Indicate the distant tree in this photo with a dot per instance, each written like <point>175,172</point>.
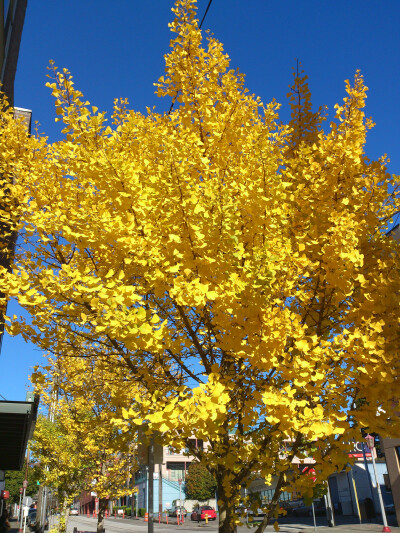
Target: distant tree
<point>14,480</point>
<point>80,447</point>
<point>199,483</point>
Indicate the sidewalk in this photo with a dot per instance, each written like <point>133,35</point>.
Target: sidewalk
<point>14,526</point>
<point>349,528</point>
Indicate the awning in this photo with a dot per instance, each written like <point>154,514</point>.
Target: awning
<point>17,422</point>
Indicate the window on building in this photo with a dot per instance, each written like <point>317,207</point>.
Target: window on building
<point>173,451</point>
<point>194,443</point>
<point>175,471</point>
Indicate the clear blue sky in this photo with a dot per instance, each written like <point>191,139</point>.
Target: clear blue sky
<point>115,49</point>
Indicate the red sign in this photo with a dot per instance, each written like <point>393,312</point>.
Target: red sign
<point>5,494</point>
<point>311,472</point>
<point>308,471</point>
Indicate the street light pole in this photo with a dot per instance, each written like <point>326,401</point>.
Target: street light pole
<point>180,496</point>
<point>150,524</point>
<point>371,445</point>
<point>21,490</point>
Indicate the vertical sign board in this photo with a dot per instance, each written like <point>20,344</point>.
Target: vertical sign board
<point>356,450</point>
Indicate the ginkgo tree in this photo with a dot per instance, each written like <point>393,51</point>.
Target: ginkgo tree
<point>79,447</point>
<point>235,268</point>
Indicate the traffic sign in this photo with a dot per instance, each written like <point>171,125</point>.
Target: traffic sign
<point>25,484</point>
<point>312,473</point>
<point>27,501</point>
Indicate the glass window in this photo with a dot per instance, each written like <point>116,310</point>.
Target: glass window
<point>176,471</point>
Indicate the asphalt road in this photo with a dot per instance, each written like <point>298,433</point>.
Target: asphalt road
<point>116,525</point>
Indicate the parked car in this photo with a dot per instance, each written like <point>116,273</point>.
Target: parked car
<point>306,510</point>
<point>177,509</point>
<point>74,512</point>
<point>200,512</point>
<point>258,512</point>
<point>31,518</point>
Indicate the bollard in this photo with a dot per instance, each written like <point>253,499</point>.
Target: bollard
<point>183,517</point>
<point>177,516</point>
<point>123,513</point>
<point>159,518</point>
<point>166,516</point>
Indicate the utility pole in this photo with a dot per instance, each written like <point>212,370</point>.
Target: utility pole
<point>150,523</point>
<point>160,496</point>
<point>42,500</point>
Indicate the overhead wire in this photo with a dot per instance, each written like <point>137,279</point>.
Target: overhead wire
<point>205,14</point>
<point>200,25</point>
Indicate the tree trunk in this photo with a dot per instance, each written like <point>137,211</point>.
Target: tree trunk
<point>100,516</point>
<point>64,514</point>
<point>225,506</point>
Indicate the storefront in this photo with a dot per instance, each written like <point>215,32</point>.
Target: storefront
<point>17,423</point>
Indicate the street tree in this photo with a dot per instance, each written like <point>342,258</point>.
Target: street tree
<point>79,447</point>
<point>237,270</point>
<point>14,482</point>
<point>200,484</point>
<point>61,467</point>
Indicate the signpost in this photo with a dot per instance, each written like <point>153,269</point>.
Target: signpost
<point>371,445</point>
<point>27,501</point>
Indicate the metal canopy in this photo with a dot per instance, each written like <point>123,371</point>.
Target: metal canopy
<point>17,422</point>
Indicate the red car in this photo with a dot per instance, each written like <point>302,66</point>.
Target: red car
<point>200,512</point>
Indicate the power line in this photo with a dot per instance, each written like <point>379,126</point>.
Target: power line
<point>202,20</point>
<point>205,14</point>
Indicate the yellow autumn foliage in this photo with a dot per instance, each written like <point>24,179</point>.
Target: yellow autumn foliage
<point>236,269</point>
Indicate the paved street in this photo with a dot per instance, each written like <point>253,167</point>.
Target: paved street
<point>87,525</point>
<point>113,525</point>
